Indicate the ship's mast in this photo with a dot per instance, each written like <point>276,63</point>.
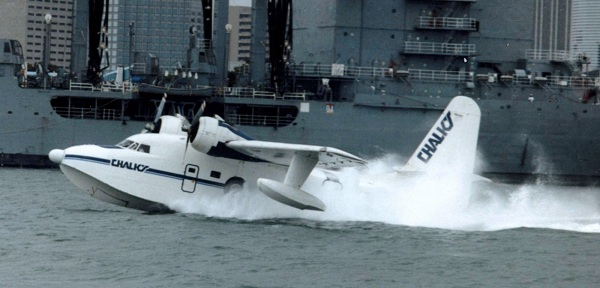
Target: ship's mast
<point>280,40</point>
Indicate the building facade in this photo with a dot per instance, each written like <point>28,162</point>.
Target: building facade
<point>585,32</point>
<point>24,21</point>
<point>240,37</point>
<point>157,28</point>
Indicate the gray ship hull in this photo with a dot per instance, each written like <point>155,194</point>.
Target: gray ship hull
<point>372,80</point>
<point>30,127</point>
<point>518,138</point>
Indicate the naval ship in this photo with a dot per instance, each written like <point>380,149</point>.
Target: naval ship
<point>368,77</point>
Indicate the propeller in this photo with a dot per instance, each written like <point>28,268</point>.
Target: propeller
<point>152,127</point>
<point>192,130</point>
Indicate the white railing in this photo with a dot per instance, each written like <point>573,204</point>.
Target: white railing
<point>435,48</point>
<point>438,75</point>
<point>340,70</point>
<point>550,55</point>
<point>81,86</point>
<point>260,120</point>
<point>104,87</point>
<point>88,113</point>
<point>551,81</point>
<point>241,92</point>
<point>427,22</point>
<point>294,96</point>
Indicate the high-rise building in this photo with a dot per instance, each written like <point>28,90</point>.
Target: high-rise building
<point>24,21</point>
<point>240,18</point>
<point>159,27</point>
<point>585,31</point>
<point>551,22</point>
<point>14,22</point>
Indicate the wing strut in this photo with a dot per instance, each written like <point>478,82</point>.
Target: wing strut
<point>302,164</point>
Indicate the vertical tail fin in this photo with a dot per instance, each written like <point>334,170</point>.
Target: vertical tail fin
<point>452,141</point>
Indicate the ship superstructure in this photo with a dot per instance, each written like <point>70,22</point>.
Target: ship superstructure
<point>369,77</point>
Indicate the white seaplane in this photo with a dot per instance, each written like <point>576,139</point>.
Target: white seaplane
<point>153,170</point>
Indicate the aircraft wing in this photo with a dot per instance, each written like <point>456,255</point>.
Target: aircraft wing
<point>283,153</point>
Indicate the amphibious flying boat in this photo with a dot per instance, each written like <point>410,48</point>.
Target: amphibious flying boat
<point>155,169</point>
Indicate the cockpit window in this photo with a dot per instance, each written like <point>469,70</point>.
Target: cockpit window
<point>144,148</point>
<point>131,145</point>
<point>125,143</point>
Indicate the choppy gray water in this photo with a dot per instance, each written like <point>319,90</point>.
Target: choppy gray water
<point>53,235</point>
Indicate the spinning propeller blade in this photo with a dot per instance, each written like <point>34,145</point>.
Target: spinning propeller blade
<point>193,129</point>
<point>160,108</point>
<point>151,127</point>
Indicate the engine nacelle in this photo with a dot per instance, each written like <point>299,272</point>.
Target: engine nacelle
<point>211,136</point>
<point>170,125</point>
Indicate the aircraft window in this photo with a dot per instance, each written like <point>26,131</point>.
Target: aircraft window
<point>133,146</point>
<point>215,174</point>
<point>144,148</point>
<point>125,143</point>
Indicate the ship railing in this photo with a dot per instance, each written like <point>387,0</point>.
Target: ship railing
<point>115,87</point>
<point>264,94</point>
<point>435,48</point>
<point>301,96</point>
<point>438,75</point>
<point>241,92</point>
<point>104,87</point>
<point>259,120</point>
<point>450,23</point>
<point>575,81</point>
<point>549,55</point>
<point>340,70</point>
<point>235,92</point>
<point>81,86</point>
<point>551,81</point>
<point>88,113</point>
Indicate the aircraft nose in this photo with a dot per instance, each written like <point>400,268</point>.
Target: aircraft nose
<point>56,155</point>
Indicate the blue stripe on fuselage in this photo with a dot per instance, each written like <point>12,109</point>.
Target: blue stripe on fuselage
<point>148,171</point>
<point>182,177</point>
<point>87,159</point>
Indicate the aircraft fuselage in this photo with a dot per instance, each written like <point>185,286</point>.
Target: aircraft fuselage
<point>154,172</point>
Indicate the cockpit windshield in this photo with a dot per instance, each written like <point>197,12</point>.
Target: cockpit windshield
<point>132,145</point>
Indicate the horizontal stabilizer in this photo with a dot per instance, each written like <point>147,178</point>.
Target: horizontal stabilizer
<point>289,196</point>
